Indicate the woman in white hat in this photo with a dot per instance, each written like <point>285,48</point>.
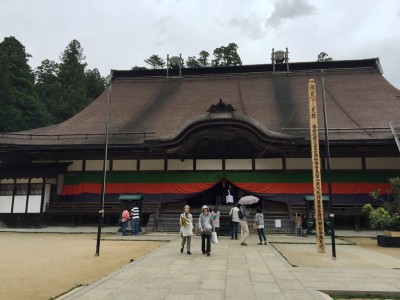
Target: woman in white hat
<point>206,227</point>
<point>186,222</point>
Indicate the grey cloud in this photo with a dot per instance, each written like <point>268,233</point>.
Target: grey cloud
<point>289,9</point>
<point>161,25</point>
<point>250,26</point>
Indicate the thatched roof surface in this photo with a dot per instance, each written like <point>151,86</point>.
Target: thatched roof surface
<point>147,107</point>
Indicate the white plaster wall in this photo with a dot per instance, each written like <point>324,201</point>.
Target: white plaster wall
<point>36,180</point>
<point>22,180</point>
<point>75,166</point>
<point>9,181</point>
<point>348,163</point>
<point>34,203</point>
<point>298,164</point>
<point>179,165</point>
<point>152,165</point>
<point>19,203</point>
<point>5,204</point>
<point>238,164</point>
<point>209,164</point>
<point>381,163</point>
<point>96,165</point>
<point>268,164</point>
<point>124,165</point>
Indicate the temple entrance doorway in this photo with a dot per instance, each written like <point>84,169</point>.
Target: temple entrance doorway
<point>216,196</point>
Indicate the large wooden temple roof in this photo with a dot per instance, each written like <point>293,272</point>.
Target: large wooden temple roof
<point>150,110</point>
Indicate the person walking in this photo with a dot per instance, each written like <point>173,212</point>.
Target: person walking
<point>259,220</point>
<point>234,222</point>
<point>244,213</point>
<point>186,231</point>
<point>135,220</point>
<point>206,227</point>
<point>216,217</point>
<point>124,220</point>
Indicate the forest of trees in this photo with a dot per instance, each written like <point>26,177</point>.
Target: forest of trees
<point>52,93</point>
<point>223,57</point>
<point>56,91</point>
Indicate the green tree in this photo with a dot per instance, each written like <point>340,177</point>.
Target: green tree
<point>155,62</point>
<point>20,107</point>
<point>324,57</point>
<point>192,62</point>
<point>203,59</point>
<point>48,87</point>
<point>73,82</point>
<point>137,68</point>
<point>95,84</point>
<point>226,56</point>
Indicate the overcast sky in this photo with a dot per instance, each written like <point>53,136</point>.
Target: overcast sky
<point>119,34</point>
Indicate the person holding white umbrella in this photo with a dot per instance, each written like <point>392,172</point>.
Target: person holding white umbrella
<point>244,213</point>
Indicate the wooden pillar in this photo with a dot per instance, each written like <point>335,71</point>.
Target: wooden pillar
<point>316,168</point>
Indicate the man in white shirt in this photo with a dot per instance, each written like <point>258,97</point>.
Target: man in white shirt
<point>135,220</point>
<point>234,222</point>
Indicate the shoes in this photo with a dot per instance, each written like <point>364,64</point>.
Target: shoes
<point>236,238</point>
<point>190,253</point>
<point>231,238</point>
<point>243,244</point>
<point>208,253</point>
<point>204,253</point>
<point>259,243</point>
<point>265,243</point>
<point>181,250</point>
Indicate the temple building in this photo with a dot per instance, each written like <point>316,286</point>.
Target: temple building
<point>181,136</point>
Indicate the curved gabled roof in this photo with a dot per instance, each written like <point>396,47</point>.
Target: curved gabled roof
<point>147,106</point>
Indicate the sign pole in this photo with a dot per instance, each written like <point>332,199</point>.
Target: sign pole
<point>316,168</point>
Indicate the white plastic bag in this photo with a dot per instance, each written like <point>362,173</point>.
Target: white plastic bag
<point>229,198</point>
<point>214,238</point>
<point>187,230</point>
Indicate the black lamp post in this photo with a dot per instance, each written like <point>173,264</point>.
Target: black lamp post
<point>103,183</point>
<point>328,169</point>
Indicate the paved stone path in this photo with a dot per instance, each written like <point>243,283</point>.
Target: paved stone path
<point>231,272</point>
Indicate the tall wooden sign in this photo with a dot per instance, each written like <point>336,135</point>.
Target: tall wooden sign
<point>316,167</point>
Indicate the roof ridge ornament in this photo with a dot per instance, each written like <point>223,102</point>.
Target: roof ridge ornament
<point>280,57</point>
<point>175,62</point>
<point>221,107</point>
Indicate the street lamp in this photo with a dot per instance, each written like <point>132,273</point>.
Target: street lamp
<point>103,183</point>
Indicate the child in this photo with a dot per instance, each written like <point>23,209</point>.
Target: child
<point>259,220</point>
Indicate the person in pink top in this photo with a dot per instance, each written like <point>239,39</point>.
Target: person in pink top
<point>124,219</point>
<point>216,216</point>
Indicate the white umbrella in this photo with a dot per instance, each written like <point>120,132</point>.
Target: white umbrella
<point>248,200</point>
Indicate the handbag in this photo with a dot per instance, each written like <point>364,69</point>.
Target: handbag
<point>186,227</point>
<point>187,230</point>
<point>214,238</point>
<point>255,226</point>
